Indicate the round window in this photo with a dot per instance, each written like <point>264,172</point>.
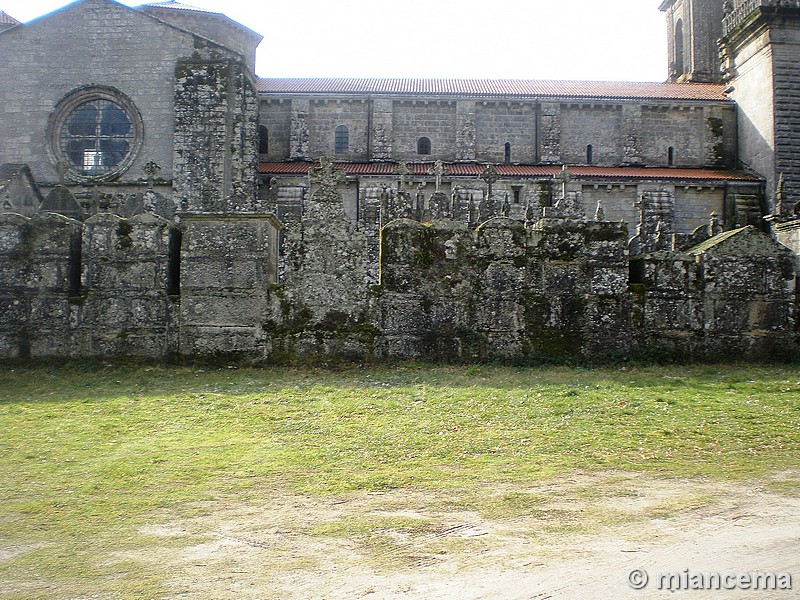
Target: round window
<point>95,134</point>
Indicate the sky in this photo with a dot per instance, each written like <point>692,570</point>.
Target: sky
<point>619,40</point>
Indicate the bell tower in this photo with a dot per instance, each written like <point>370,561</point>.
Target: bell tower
<point>693,28</point>
<point>760,49</point>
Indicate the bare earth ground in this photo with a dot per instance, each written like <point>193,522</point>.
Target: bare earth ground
<point>577,537</point>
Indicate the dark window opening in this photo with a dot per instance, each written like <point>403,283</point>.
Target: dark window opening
<point>75,258</point>
<point>679,59</point>
<point>423,146</point>
<point>589,154</point>
<point>636,271</point>
<point>341,140</point>
<point>174,263</point>
<point>263,139</point>
<point>508,152</point>
<point>516,195</point>
<point>671,156</point>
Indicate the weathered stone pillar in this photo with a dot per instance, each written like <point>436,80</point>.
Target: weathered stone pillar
<point>465,131</point>
<point>550,132</point>
<point>382,129</point>
<point>631,131</point>
<point>298,134</point>
<point>228,263</point>
<point>216,129</point>
<point>39,271</point>
<point>714,136</point>
<point>127,280</point>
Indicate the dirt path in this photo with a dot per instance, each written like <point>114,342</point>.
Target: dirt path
<point>575,538</point>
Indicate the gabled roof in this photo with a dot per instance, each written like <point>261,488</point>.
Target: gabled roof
<point>18,189</point>
<point>180,7</point>
<point>516,88</point>
<point>9,170</point>
<point>6,19</point>
<point>542,171</point>
<point>745,241</point>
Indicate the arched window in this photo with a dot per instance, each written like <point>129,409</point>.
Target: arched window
<point>671,156</point>
<point>341,140</point>
<point>589,154</point>
<point>423,145</point>
<point>263,139</point>
<point>680,68</point>
<point>508,152</point>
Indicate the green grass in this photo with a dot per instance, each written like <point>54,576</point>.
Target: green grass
<point>88,453</point>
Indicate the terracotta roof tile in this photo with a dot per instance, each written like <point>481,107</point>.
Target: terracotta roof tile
<point>517,88</point>
<point>541,171</point>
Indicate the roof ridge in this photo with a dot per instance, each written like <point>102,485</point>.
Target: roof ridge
<point>718,239</point>
<point>551,88</point>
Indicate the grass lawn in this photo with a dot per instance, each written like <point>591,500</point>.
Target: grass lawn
<point>89,453</point>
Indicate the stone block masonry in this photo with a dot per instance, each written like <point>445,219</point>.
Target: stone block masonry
<point>227,265</point>
<point>124,308</point>
<point>216,123</point>
<point>135,287</point>
<point>39,276</point>
<point>564,288</point>
<point>503,290</point>
<point>454,225</point>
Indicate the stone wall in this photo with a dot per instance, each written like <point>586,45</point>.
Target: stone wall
<point>326,115</point>
<point>760,52</point>
<point>558,289</point>
<point>216,128</point>
<point>498,123</point>
<point>502,290</point>
<point>731,296</point>
<point>39,278</point>
<point>135,287</point>
<point>702,27</point>
<point>562,289</point>
<point>227,264</point>
<point>464,129</point>
<point>322,305</point>
<point>124,305</point>
<point>47,60</point>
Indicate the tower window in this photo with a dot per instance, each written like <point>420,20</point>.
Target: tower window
<point>424,145</point>
<point>671,156</point>
<point>263,139</point>
<point>341,141</point>
<point>589,154</point>
<point>508,152</point>
<point>679,59</point>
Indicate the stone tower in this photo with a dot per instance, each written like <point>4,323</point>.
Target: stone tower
<point>693,28</point>
<point>760,50</point>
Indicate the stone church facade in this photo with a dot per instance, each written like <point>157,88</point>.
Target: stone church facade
<point>158,199</point>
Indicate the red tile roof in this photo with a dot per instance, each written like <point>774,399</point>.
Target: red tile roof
<point>6,19</point>
<point>540,171</point>
<point>517,88</point>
